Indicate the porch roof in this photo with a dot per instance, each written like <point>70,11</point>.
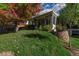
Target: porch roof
<point>45,13</point>
<point>55,9</point>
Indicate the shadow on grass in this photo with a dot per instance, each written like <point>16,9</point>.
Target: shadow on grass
<point>76,36</point>
<point>36,35</point>
<point>2,33</point>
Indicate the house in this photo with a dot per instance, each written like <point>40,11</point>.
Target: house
<point>48,15</point>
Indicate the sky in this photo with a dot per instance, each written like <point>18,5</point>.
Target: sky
<point>56,7</point>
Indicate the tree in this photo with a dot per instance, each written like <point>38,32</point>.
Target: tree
<point>16,12</point>
<point>27,10</point>
<point>20,10</point>
<point>69,16</point>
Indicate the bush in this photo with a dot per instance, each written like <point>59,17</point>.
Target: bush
<point>45,27</point>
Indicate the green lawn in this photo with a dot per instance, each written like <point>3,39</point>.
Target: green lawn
<point>75,41</point>
<point>32,42</point>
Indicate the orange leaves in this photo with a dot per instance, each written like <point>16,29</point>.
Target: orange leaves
<point>5,13</point>
<point>38,8</point>
<point>11,5</point>
<point>8,12</point>
<point>32,9</point>
<point>22,10</point>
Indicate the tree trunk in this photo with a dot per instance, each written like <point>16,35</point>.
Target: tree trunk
<point>64,35</point>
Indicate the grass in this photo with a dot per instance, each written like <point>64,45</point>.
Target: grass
<point>32,43</point>
<point>75,41</point>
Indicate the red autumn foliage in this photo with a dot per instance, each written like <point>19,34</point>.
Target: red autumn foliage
<point>26,11</point>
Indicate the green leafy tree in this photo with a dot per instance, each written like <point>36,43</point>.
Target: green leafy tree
<point>69,15</point>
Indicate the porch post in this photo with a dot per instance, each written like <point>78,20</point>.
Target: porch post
<point>53,22</point>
